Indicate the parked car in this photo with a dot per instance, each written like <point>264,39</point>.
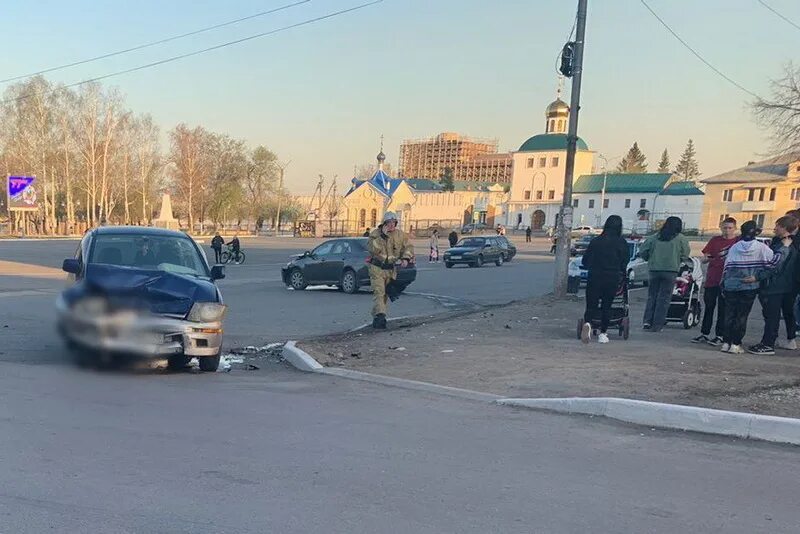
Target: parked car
<point>142,292</point>
<point>637,268</point>
<point>580,245</point>
<point>475,251</point>
<point>475,228</point>
<point>509,249</point>
<point>579,231</point>
<point>337,262</point>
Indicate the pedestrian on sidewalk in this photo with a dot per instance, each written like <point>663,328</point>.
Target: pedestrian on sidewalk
<point>434,244</point>
<point>528,234</point>
<point>453,238</point>
<point>606,260</point>
<point>387,246</point>
<point>776,290</point>
<point>714,255</point>
<point>664,252</point>
<point>367,232</point>
<point>744,263</point>
<point>216,244</point>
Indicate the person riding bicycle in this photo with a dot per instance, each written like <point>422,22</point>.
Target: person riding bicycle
<point>234,244</point>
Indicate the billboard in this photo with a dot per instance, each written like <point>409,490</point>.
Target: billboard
<point>21,193</point>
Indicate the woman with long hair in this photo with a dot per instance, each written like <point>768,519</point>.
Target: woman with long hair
<point>664,252</point>
<point>606,259</point>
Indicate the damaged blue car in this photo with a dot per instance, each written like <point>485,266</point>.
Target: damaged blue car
<point>142,292</point>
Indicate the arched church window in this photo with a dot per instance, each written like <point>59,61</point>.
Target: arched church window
<point>373,217</point>
<point>362,218</point>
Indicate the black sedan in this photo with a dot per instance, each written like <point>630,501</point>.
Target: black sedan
<point>338,262</point>
<point>475,251</point>
<point>141,292</point>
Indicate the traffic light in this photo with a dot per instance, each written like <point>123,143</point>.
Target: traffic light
<point>567,54</point>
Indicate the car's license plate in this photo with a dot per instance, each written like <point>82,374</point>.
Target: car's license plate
<point>455,257</point>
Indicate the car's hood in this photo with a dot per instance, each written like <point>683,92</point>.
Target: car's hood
<point>159,291</point>
<point>463,250</point>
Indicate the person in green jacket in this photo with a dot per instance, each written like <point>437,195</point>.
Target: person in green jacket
<point>664,252</point>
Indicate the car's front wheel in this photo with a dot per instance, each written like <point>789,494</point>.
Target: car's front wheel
<point>448,264</point>
<point>349,282</point>
<point>499,260</point>
<point>209,364</point>
<point>296,280</point>
<point>478,262</point>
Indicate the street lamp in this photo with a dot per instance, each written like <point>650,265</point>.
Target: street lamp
<point>603,190</point>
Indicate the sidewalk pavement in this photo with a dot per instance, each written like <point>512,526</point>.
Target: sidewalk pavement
<point>529,349</point>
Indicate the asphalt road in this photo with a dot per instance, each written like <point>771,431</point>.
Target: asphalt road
<point>275,450</point>
<point>279,451</point>
<point>261,308</point>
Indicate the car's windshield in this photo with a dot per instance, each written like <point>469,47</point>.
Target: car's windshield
<point>472,242</point>
<point>160,253</point>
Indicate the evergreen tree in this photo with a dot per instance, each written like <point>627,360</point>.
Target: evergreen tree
<point>633,162</point>
<point>663,165</point>
<point>687,166</point>
<point>447,180</point>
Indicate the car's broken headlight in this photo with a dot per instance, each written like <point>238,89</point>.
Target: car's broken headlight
<point>206,312</point>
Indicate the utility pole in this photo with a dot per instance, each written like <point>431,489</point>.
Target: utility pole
<point>565,217</point>
<point>280,198</point>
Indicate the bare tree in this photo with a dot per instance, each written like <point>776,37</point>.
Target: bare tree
<point>190,165</point>
<point>780,114</point>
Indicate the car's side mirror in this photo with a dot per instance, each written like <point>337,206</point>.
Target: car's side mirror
<point>71,266</point>
<point>308,254</point>
<point>218,272</point>
<point>487,245</point>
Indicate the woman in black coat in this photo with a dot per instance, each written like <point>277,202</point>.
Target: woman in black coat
<point>606,259</point>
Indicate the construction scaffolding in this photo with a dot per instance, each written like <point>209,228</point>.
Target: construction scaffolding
<point>471,159</point>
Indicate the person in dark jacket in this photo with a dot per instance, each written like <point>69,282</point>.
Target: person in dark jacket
<point>606,259</point>
<point>528,234</point>
<point>216,244</point>
<point>776,290</point>
<point>367,232</point>
<point>234,244</point>
<point>453,238</point>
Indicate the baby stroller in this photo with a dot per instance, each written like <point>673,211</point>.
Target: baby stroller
<point>685,306</point>
<point>619,313</point>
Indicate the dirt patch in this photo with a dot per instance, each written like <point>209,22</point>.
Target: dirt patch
<point>530,349</point>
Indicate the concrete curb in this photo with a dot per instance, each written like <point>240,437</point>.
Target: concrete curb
<point>303,361</point>
<point>411,384</point>
<point>653,414</point>
<point>673,416</point>
<point>300,359</point>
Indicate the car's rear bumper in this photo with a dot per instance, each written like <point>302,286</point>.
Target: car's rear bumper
<point>145,336</point>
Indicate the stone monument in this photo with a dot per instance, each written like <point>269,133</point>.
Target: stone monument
<point>165,218</point>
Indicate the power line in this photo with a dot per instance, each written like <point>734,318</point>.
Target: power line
<point>154,43</point>
<point>779,14</point>
<point>697,54</point>
<point>198,52</point>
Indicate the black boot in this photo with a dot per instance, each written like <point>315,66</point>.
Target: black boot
<point>379,322</point>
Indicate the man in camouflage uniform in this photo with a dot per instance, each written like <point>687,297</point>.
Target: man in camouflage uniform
<point>387,245</point>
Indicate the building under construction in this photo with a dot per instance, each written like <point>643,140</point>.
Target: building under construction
<point>472,160</point>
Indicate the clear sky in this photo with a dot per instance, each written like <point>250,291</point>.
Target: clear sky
<point>321,95</point>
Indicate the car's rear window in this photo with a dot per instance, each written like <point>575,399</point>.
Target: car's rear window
<point>161,253</point>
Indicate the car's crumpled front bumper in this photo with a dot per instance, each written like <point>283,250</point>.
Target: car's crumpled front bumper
<point>139,334</point>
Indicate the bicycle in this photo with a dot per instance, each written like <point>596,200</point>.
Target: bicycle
<point>228,256</point>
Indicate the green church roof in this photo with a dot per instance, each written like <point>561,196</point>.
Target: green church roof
<point>543,142</point>
<point>622,183</point>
